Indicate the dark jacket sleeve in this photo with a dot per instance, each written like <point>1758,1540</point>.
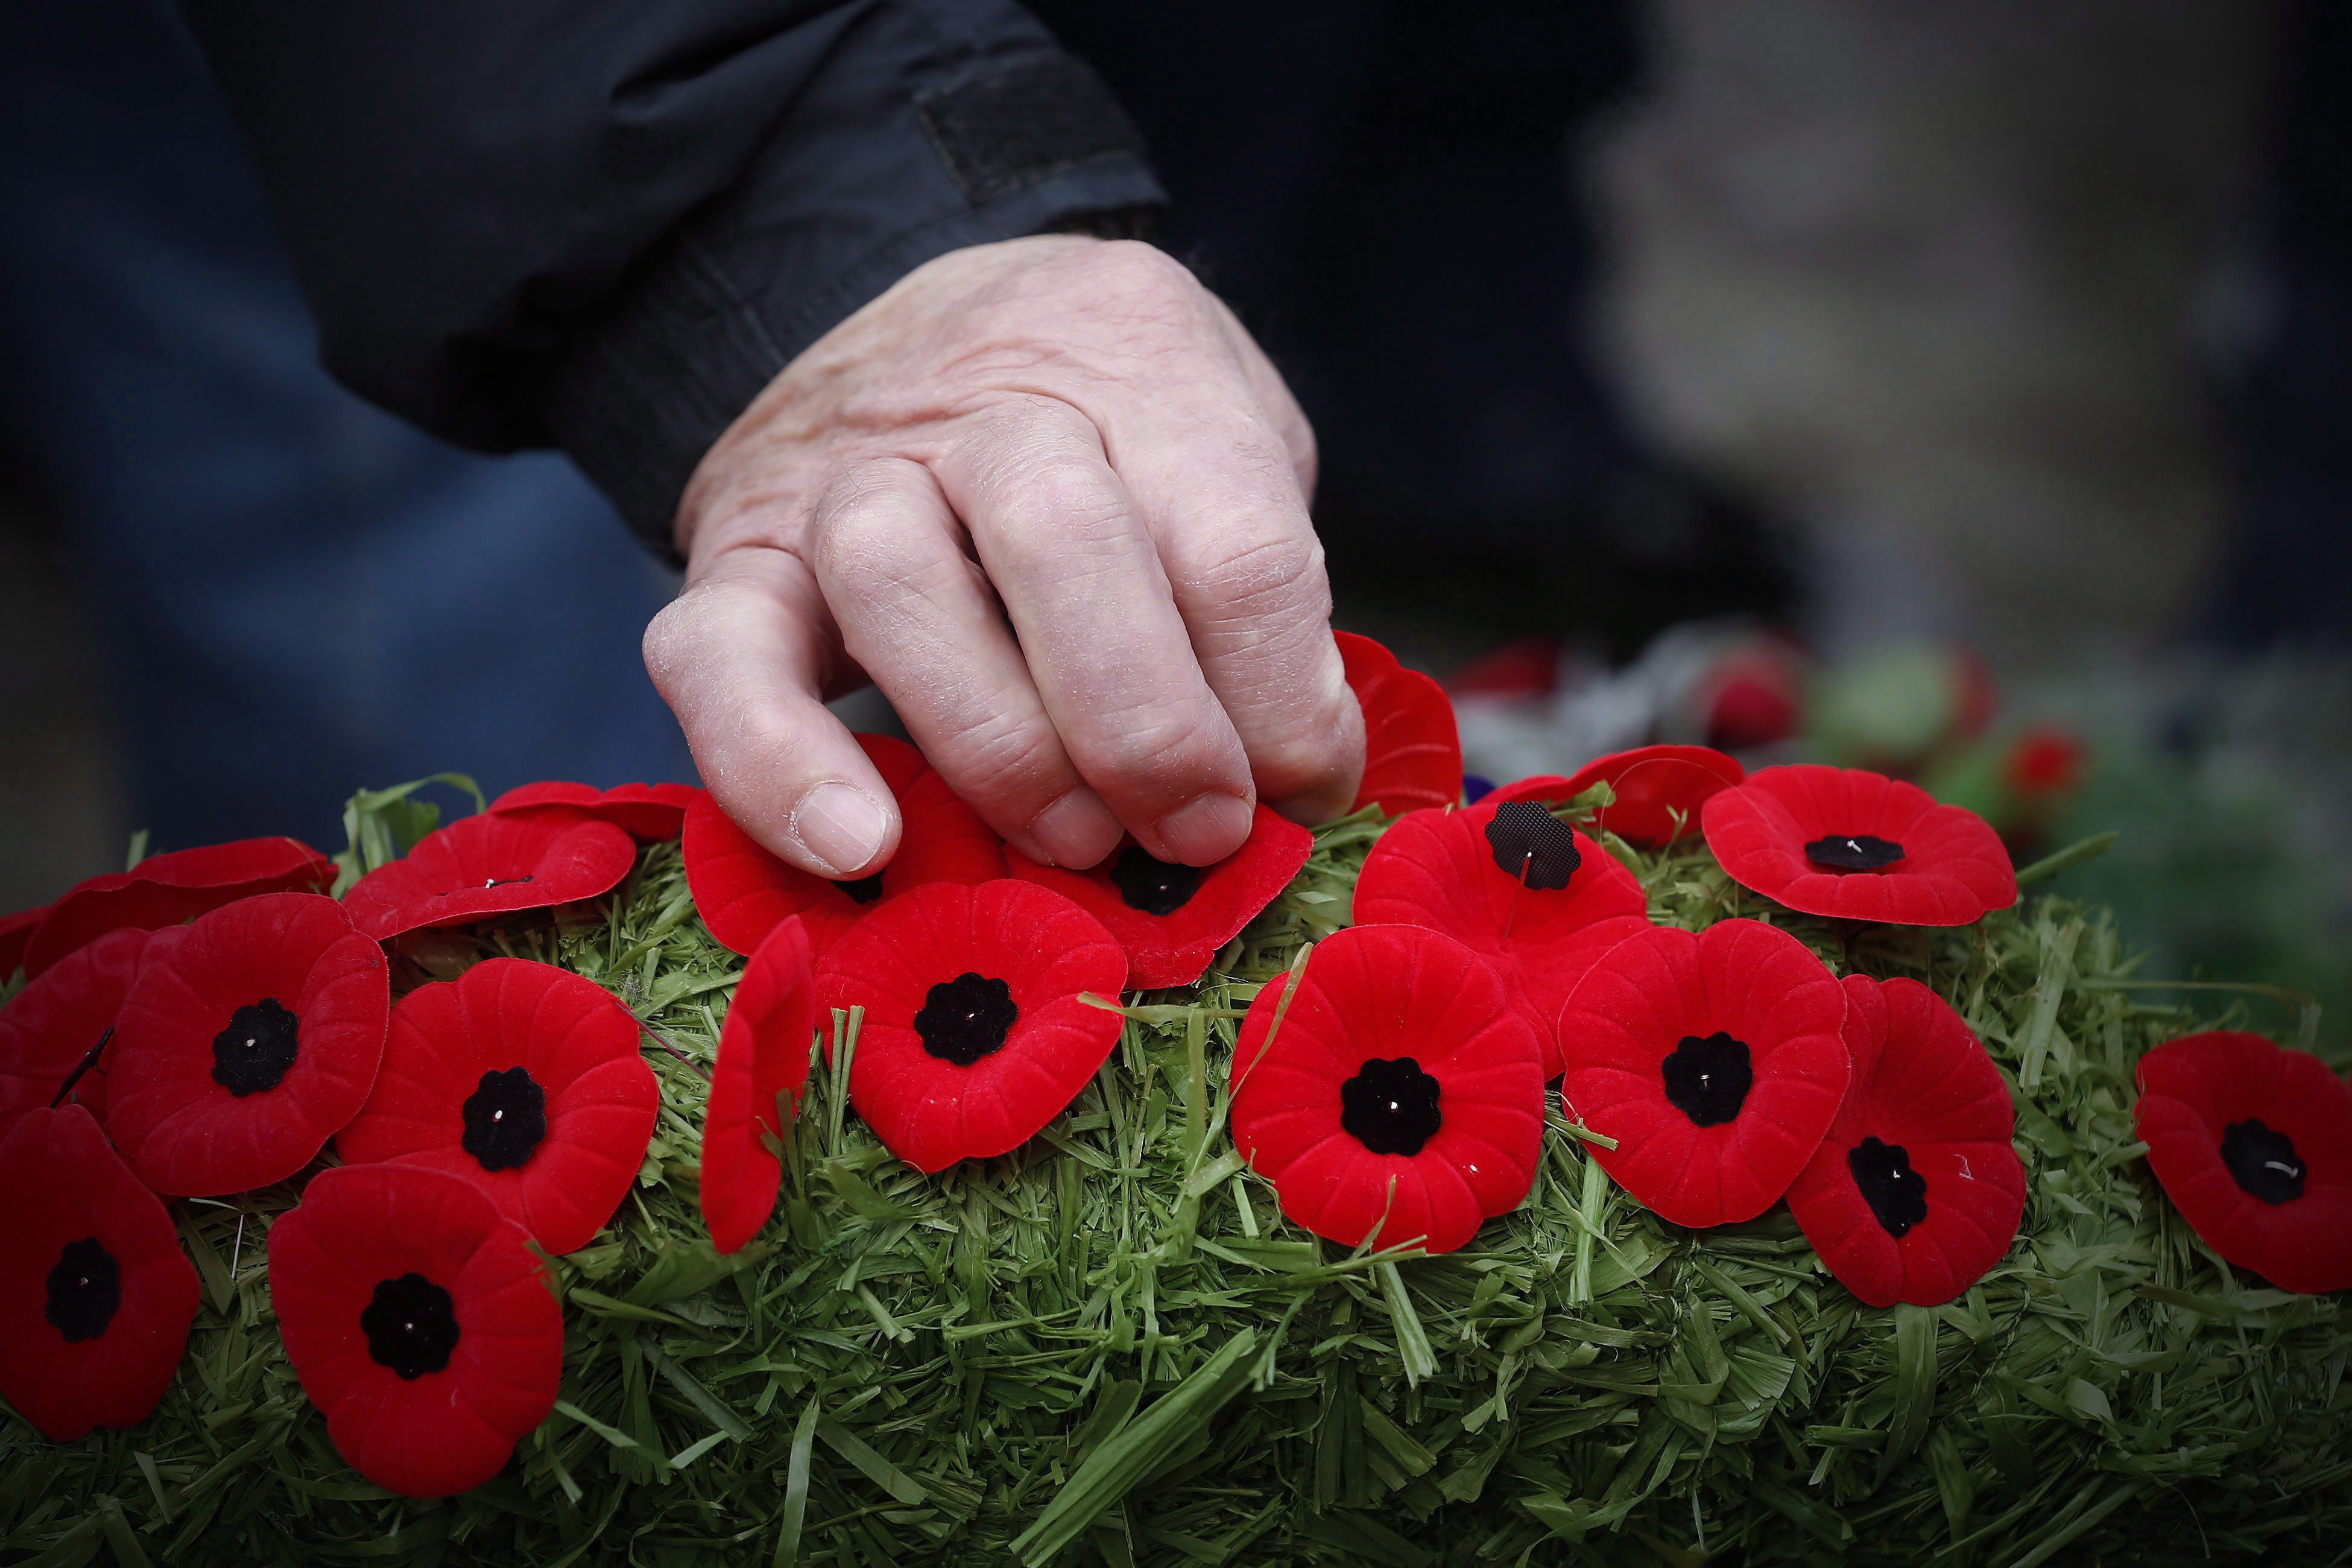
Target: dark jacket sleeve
<point>605,224</point>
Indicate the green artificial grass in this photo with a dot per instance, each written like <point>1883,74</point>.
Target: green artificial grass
<point>1108,1348</point>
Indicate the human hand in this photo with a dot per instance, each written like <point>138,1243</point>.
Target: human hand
<point>1051,499</point>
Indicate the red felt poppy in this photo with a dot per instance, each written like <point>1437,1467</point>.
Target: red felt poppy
<point>1400,1093</point>
<point>420,1323</point>
<point>974,1035</point>
<point>1659,790</point>
<point>16,935</point>
<point>1857,845</point>
<point>523,1079</point>
<point>1516,886</point>
<point>1171,920</point>
<point>755,1086</point>
<point>2253,1144</point>
<point>51,1027</point>
<point>165,889</point>
<point>247,1040</point>
<point>1413,754</point>
<point>1716,1060</point>
<point>648,813</point>
<point>742,890</point>
<point>1915,1192</point>
<point>96,1296</point>
<point>479,867</point>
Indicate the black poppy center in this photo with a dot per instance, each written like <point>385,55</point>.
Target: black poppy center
<point>257,1050</point>
<point>1152,884</point>
<point>2263,1160</point>
<point>411,1325</point>
<point>505,1117</point>
<point>1529,843</point>
<point>965,1018</point>
<point>1857,852</point>
<point>1895,1192</point>
<point>1391,1106</point>
<point>85,1290</point>
<point>864,889</point>
<point>1709,1079</point>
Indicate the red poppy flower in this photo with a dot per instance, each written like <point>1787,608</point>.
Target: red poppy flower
<point>1717,1061</point>
<point>1857,845</point>
<point>1413,755</point>
<point>755,1086</point>
<point>1542,912</point>
<point>1659,790</point>
<point>16,935</point>
<point>2043,763</point>
<point>2253,1144</point>
<point>1402,1094</point>
<point>1171,920</point>
<point>165,889</point>
<point>247,1038</point>
<point>479,867</point>
<point>96,1296</point>
<point>50,1028</point>
<point>523,1079</point>
<point>741,892</point>
<point>1915,1192</point>
<point>419,1321</point>
<point>648,813</point>
<point>974,1035</point>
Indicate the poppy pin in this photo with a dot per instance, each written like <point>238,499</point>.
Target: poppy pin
<point>57,1023</point>
<point>479,867</point>
<point>648,813</point>
<point>1412,753</point>
<point>166,889</point>
<point>755,1086</point>
<point>1659,790</point>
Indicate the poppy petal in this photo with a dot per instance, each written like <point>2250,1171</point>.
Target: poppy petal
<point>420,1323</point>
<point>1437,869</point>
<point>58,1020</point>
<point>166,889</point>
<point>1859,846</point>
<point>1717,1061</point>
<point>648,813</point>
<point>1402,1093</point>
<point>1412,753</point>
<point>479,867</point>
<point>755,1085</point>
<point>2252,1143</point>
<point>16,935</point>
<point>523,1079</point>
<point>1659,790</point>
<point>974,1035</point>
<point>96,1296</point>
<point>246,1040</point>
<point>742,890</point>
<point>1916,1191</point>
<point>1172,920</point>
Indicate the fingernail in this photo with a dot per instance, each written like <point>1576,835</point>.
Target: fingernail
<point>1076,830</point>
<point>1204,829</point>
<point>840,826</point>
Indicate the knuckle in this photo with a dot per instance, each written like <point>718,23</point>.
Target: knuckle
<point>1150,753</point>
<point>1010,758</point>
<point>1269,574</point>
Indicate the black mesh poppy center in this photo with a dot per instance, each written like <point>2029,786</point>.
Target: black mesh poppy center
<point>2263,1160</point>
<point>1858,852</point>
<point>1391,1106</point>
<point>1895,1192</point>
<point>1151,885</point>
<point>864,889</point>
<point>85,1290</point>
<point>965,1018</point>
<point>411,1325</point>
<point>1527,841</point>
<point>257,1050</point>
<point>1709,1079</point>
<point>505,1117</point>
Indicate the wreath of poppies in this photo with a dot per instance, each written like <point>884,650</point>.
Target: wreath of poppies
<point>1515,885</point>
<point>54,1032</point>
<point>742,890</point>
<point>1412,752</point>
<point>479,867</point>
<point>755,1086</point>
<point>1172,918</point>
<point>1659,790</point>
<point>166,889</point>
<point>96,1297</point>
<point>1916,1191</point>
<point>1859,846</point>
<point>246,1040</point>
<point>2253,1144</point>
<point>524,1079</point>
<point>1714,1061</point>
<point>1392,1092</point>
<point>420,1323</point>
<point>976,1033</point>
<point>650,814</point>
